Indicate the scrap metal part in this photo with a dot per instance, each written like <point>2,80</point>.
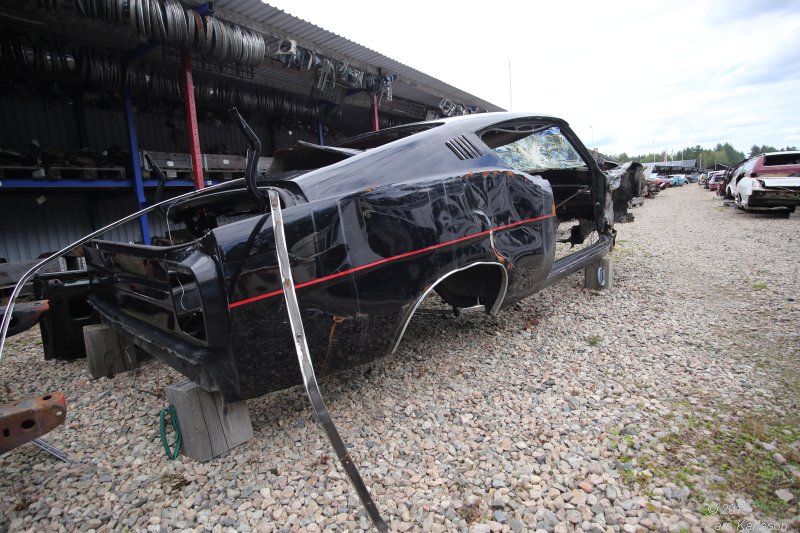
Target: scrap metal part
<point>25,420</point>
<point>26,315</point>
<point>52,450</point>
<point>624,182</point>
<point>307,368</point>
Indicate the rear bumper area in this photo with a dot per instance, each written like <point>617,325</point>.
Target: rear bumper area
<point>768,198</point>
<point>168,301</point>
<point>189,360</point>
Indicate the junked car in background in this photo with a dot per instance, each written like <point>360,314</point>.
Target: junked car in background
<point>724,189</point>
<point>714,180</point>
<point>767,181</point>
<point>661,181</point>
<point>677,180</point>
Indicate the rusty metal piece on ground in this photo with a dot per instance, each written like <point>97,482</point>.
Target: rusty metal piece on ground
<point>25,315</point>
<point>24,420</point>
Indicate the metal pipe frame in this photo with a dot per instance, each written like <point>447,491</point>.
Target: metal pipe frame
<point>375,123</point>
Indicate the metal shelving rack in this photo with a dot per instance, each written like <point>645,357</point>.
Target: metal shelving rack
<point>136,182</point>
<point>62,21</point>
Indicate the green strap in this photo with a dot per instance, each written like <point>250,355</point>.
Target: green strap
<point>174,450</point>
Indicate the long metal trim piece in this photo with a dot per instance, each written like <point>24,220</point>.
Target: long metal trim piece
<point>307,368</point>
<point>496,307</point>
<point>52,450</point>
<point>38,266</point>
<point>576,261</point>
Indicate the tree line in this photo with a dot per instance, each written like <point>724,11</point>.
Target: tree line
<point>723,153</point>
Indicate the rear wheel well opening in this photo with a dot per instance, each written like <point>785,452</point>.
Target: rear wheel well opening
<point>478,284</point>
<point>482,284</point>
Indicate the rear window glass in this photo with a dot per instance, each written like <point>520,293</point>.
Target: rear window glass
<point>528,148</point>
<point>789,158</point>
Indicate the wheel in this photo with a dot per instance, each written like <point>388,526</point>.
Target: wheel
<point>784,213</point>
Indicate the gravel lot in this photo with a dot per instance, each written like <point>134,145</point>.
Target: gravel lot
<point>669,403</point>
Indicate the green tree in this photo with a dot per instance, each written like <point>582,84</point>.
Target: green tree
<point>763,149</point>
<point>723,153</point>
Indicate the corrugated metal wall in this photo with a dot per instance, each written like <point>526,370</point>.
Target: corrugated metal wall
<point>30,229</point>
<point>108,209</point>
<point>27,117</point>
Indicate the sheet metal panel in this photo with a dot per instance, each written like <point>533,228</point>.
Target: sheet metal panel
<point>111,208</point>
<point>30,229</point>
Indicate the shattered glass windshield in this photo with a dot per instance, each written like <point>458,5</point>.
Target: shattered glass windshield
<point>541,150</point>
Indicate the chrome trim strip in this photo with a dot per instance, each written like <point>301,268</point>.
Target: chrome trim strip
<point>307,367</point>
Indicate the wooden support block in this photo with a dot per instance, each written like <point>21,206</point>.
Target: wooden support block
<point>209,427</point>
<point>599,275</point>
<point>107,352</point>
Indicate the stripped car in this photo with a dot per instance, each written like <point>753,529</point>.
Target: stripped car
<point>467,207</point>
<point>767,181</point>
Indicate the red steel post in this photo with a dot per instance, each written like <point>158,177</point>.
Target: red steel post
<point>191,120</point>
<point>375,113</point>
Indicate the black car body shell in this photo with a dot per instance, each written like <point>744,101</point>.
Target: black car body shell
<point>368,236</point>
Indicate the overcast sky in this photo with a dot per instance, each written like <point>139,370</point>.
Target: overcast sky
<point>627,76</point>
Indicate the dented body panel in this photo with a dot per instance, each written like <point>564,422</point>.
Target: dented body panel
<point>368,236</point>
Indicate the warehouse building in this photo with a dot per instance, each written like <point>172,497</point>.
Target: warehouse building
<point>94,94</point>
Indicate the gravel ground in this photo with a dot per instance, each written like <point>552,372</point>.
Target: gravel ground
<point>668,403</point>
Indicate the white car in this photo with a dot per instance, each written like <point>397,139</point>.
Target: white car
<point>768,181</point>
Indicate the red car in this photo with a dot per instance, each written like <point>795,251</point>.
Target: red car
<point>714,182</point>
<point>662,182</point>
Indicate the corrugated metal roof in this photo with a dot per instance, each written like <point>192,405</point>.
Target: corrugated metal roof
<point>411,84</point>
<point>683,163</point>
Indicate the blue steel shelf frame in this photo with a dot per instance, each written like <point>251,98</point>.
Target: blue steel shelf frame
<point>133,140</point>
<point>136,165</point>
<point>95,184</point>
